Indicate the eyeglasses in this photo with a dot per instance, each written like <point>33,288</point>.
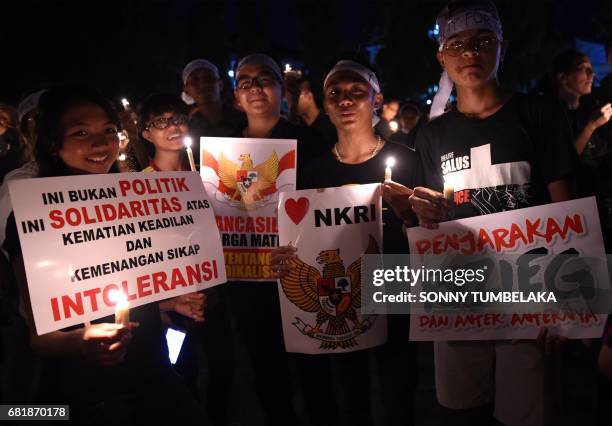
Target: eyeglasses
<point>246,83</point>
<point>164,122</point>
<point>478,44</point>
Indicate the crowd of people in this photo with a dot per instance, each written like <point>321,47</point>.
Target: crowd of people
<point>556,142</point>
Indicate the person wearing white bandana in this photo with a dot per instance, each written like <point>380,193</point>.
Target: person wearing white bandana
<point>489,126</point>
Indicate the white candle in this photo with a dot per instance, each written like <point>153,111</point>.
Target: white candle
<point>187,141</point>
<point>390,163</point>
<point>393,126</point>
<point>125,103</point>
<point>122,309</point>
<point>449,189</point>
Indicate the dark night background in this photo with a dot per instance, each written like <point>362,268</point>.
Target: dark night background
<point>134,47</point>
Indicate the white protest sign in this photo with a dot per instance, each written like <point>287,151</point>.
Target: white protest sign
<point>321,296</point>
<point>243,178</point>
<point>150,236</point>
<point>554,239</point>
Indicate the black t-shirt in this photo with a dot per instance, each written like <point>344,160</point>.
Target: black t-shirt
<point>227,127</point>
<point>503,162</point>
<point>326,172</point>
<point>76,381</point>
<point>326,130</point>
<point>309,143</point>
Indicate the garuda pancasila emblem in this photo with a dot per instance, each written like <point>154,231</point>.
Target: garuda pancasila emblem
<point>246,183</point>
<point>334,295</point>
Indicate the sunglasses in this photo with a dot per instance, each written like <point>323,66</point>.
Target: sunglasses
<point>261,81</point>
<point>477,44</point>
<point>164,122</point>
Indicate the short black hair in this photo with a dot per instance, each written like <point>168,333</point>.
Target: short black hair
<point>158,104</point>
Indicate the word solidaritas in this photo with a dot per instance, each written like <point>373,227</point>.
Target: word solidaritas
<point>500,239</point>
<point>78,216</point>
<point>65,306</point>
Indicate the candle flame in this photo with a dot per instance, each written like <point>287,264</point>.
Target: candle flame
<point>118,297</point>
<point>187,141</point>
<point>390,162</point>
<point>125,102</point>
<point>393,126</point>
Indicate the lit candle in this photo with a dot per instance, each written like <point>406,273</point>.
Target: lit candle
<point>187,141</point>
<point>125,103</point>
<point>122,309</point>
<point>122,157</point>
<point>393,126</point>
<point>288,68</point>
<point>449,189</point>
<point>390,164</point>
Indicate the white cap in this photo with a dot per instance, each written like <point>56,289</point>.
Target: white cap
<point>364,72</point>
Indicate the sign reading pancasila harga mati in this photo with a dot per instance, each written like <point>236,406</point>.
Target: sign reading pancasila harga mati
<point>244,177</point>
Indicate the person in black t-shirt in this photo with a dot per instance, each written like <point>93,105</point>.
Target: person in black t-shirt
<point>351,95</point>
<point>210,116</point>
<point>301,97</point>
<point>256,305</point>
<point>106,372</point>
<point>573,76</point>
<point>501,151</point>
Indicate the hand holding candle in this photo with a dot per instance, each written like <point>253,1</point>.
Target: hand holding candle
<point>122,309</point>
<point>390,163</point>
<point>187,141</point>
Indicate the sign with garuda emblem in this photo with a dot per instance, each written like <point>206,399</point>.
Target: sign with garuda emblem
<point>244,177</point>
<point>321,295</point>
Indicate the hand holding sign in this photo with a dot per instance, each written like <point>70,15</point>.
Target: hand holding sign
<point>398,197</point>
<point>278,261</point>
<point>429,206</point>
<point>191,305</point>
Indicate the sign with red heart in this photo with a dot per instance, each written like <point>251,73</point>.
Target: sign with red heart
<point>297,209</point>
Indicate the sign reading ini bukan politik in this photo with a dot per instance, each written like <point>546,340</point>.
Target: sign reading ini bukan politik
<point>244,177</point>
<point>147,235</point>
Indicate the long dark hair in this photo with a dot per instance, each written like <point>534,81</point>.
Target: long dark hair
<point>52,106</point>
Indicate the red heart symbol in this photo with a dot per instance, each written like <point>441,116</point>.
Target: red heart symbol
<point>296,209</point>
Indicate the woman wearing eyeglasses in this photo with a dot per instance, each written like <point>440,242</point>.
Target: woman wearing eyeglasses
<point>164,120</point>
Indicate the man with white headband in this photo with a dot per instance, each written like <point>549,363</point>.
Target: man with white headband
<point>489,126</point>
<point>351,94</point>
<point>210,116</point>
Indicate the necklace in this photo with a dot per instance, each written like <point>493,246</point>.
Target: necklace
<point>373,153</point>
